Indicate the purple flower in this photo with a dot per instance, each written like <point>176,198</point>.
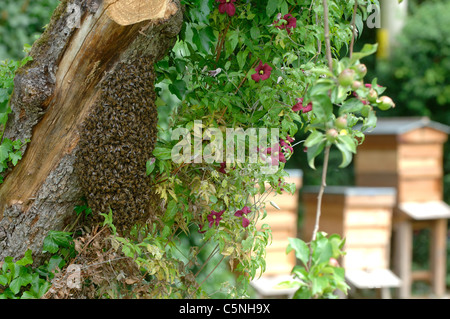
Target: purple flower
<point>223,165</point>
<point>287,144</point>
<point>288,22</point>
<point>243,211</point>
<point>262,72</point>
<point>215,218</point>
<point>300,107</point>
<point>227,6</point>
<point>276,154</point>
<point>240,213</point>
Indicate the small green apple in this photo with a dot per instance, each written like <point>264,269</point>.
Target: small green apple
<point>347,77</point>
<point>385,103</point>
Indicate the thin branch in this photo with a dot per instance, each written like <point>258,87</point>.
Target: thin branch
<point>354,31</point>
<point>321,191</point>
<point>327,149</point>
<point>327,34</point>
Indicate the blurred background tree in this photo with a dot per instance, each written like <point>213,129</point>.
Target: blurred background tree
<point>22,22</point>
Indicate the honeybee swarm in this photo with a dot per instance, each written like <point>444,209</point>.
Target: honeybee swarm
<point>116,141</point>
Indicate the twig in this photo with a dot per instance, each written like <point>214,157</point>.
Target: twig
<point>355,8</point>
<point>327,149</point>
<point>327,35</point>
<point>321,191</point>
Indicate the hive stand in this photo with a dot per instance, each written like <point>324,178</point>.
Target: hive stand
<point>363,216</point>
<point>283,223</point>
<point>407,153</point>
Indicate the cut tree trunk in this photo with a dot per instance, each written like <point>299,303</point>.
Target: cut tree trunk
<point>86,104</point>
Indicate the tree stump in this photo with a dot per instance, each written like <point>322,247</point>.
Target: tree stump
<point>86,102</point>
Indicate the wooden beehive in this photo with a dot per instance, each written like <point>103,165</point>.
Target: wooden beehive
<point>283,223</point>
<point>405,153</point>
<point>362,215</point>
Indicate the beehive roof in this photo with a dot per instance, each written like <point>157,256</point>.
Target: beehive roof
<point>401,125</point>
<point>352,190</point>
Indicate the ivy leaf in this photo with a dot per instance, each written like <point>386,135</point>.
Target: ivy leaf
<point>26,260</point>
<point>23,279</point>
<point>15,157</point>
<point>56,239</point>
<point>5,149</point>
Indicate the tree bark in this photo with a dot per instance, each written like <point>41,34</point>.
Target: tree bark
<point>82,98</point>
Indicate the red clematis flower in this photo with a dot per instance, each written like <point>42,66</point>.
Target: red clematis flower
<point>289,23</point>
<point>227,6</point>
<point>300,107</point>
<point>286,144</point>
<point>240,213</point>
<point>276,154</point>
<point>215,218</point>
<point>243,211</point>
<point>223,165</point>
<point>262,72</point>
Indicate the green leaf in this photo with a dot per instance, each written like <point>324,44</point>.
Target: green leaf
<point>322,250</point>
<point>319,284</point>
<point>171,210</point>
<point>346,155</point>
<point>178,88</point>
<point>302,293</point>
<point>367,50</point>
<point>322,107</point>
<point>26,260</point>
<point>15,157</point>
<point>162,153</point>
<point>5,149</point>
<point>242,58</point>
<point>313,152</point>
<point>271,7</point>
<point>56,239</point>
<point>301,249</point>
<point>3,280</point>
<point>352,105</point>
<point>314,138</point>
<point>255,32</point>
<point>23,279</point>
<point>150,166</point>
<point>370,122</point>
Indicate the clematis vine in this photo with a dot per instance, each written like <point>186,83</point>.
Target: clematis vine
<point>240,213</point>
<point>263,72</point>
<point>227,6</point>
<point>286,144</point>
<point>300,107</point>
<point>275,153</point>
<point>288,22</point>
<point>214,218</point>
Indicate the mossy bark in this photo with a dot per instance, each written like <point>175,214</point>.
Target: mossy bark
<point>55,95</point>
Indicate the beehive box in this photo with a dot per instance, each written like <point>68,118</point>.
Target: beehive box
<point>283,223</point>
<point>362,215</point>
<point>405,153</point>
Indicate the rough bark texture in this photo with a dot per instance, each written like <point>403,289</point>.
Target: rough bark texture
<point>59,97</point>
